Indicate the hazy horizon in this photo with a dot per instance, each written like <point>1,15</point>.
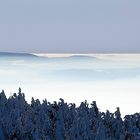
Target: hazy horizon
<point>111,80</point>
<point>70,52</point>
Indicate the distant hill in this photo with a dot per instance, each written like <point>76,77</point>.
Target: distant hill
<point>82,56</point>
<point>10,54</point>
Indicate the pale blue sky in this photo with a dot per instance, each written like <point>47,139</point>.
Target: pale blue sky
<point>74,26</point>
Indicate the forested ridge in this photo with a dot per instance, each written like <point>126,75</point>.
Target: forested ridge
<point>20,120</point>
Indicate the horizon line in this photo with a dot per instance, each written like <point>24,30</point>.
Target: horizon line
<point>20,52</point>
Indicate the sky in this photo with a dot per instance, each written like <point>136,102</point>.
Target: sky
<point>74,26</point>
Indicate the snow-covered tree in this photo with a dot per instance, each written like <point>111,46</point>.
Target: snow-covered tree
<point>61,121</point>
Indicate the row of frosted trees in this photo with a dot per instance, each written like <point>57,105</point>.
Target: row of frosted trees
<point>61,121</point>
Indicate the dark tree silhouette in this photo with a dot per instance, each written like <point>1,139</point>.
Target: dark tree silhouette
<point>61,121</point>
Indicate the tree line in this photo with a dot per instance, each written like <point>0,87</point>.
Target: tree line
<point>20,120</point>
